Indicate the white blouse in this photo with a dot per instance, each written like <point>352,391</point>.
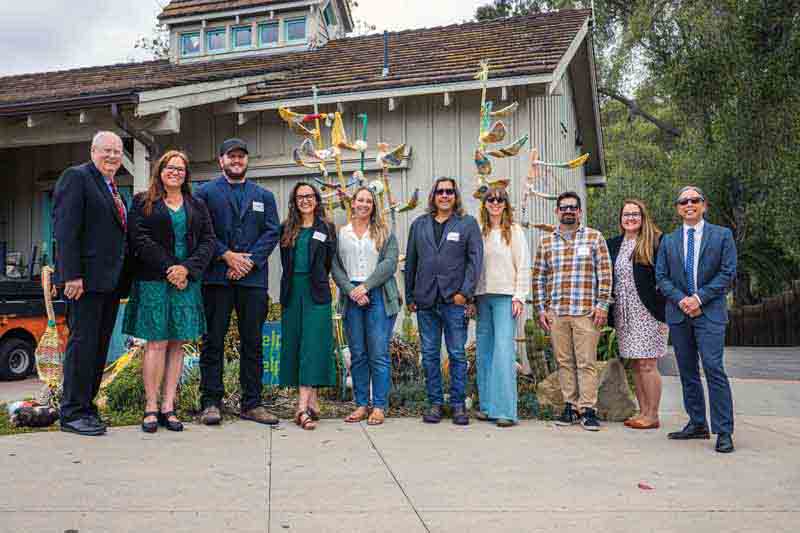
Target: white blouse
<point>359,256</point>
<point>506,269</point>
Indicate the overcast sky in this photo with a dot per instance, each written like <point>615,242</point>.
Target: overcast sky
<point>45,35</point>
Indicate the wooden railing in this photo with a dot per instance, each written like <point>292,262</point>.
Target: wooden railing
<point>774,322</point>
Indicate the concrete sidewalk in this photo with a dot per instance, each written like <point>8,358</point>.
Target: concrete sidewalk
<point>407,477</point>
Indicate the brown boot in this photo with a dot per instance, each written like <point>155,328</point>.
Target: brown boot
<point>259,414</point>
<point>211,416</point>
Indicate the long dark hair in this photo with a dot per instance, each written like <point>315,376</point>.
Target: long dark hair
<point>156,190</point>
<point>458,209</point>
<point>291,226</point>
<point>507,219</point>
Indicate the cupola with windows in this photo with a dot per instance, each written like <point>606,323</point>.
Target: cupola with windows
<point>202,30</point>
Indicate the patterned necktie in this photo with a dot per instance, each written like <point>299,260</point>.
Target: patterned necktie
<point>118,203</point>
<point>690,261</point>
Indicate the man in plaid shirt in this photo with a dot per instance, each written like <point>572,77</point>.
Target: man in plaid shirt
<point>572,291</point>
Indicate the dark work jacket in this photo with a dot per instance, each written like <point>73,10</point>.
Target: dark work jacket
<point>253,230</point>
<point>645,279</point>
<point>152,239</point>
<point>321,256</point>
<point>453,265</point>
<point>89,233</point>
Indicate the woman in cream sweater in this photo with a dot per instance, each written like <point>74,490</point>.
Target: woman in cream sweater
<point>500,296</point>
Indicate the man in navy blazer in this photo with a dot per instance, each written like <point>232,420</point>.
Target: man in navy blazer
<point>246,225</point>
<point>444,258</point>
<point>695,270</point>
<point>89,219</point>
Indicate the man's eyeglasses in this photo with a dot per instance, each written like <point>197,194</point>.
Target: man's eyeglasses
<point>445,192</point>
<point>495,200</point>
<point>305,197</point>
<point>693,201</point>
<point>179,170</point>
<point>568,208</point>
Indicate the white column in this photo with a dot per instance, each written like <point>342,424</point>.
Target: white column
<point>141,176</point>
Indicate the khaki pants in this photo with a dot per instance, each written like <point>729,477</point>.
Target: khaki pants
<point>575,341</point>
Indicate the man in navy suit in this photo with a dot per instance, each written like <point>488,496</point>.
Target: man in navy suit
<point>89,219</point>
<point>695,270</point>
<point>246,225</point>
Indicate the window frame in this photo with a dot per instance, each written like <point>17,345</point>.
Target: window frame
<point>235,30</point>
<point>277,41</point>
<point>287,22</point>
<point>329,14</point>
<point>213,31</point>
<point>187,35</point>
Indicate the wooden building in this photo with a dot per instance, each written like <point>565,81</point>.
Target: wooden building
<point>233,63</point>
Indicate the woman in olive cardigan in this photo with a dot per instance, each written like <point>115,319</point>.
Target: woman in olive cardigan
<point>364,271</point>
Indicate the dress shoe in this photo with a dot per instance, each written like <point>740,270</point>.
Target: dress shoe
<point>691,431</point>
<point>641,424</point>
<point>460,416</point>
<point>433,415</point>
<point>83,426</point>
<point>99,421</point>
<point>724,443</point>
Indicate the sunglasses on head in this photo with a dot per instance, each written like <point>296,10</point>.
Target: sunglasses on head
<point>495,200</point>
<point>445,192</point>
<point>568,208</point>
<point>693,201</point>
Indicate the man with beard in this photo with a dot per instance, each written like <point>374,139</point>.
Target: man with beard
<point>572,293</point>
<point>246,225</point>
<point>444,259</point>
<point>695,269</point>
<point>89,218</point>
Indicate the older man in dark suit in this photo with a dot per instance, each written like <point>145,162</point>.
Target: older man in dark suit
<point>695,270</point>
<point>90,223</point>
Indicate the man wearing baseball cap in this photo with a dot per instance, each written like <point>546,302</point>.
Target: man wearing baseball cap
<point>246,224</point>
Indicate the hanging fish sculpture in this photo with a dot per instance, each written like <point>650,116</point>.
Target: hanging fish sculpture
<point>495,134</point>
<point>574,163</point>
<point>505,112</point>
<point>483,163</point>
<point>296,121</point>
<point>391,157</point>
<point>411,204</point>
<point>512,149</point>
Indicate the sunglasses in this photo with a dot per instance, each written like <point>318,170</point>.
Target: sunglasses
<point>495,200</point>
<point>693,201</point>
<point>568,208</point>
<point>445,192</point>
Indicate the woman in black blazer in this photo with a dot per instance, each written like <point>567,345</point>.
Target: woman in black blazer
<point>171,242</point>
<point>308,248</point>
<point>638,310</point>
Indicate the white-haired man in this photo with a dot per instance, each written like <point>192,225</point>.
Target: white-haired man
<point>90,221</point>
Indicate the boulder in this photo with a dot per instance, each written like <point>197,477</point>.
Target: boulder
<point>615,402</point>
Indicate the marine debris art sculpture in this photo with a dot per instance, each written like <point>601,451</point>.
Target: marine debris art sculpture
<point>312,153</point>
<point>493,131</point>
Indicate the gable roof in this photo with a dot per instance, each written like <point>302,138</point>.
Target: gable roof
<point>514,46</point>
<point>183,8</point>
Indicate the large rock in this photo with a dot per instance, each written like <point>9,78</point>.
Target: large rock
<point>615,402</point>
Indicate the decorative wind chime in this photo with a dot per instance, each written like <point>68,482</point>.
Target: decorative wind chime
<point>495,132</point>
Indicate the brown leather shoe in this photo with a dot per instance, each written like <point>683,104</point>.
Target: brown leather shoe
<point>259,414</point>
<point>641,424</point>
<point>211,416</point>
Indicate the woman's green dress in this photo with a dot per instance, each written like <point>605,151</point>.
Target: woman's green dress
<point>157,310</point>
<point>306,328</point>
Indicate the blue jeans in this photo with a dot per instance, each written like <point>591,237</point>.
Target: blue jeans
<point>451,319</point>
<point>369,331</point>
<point>496,357</point>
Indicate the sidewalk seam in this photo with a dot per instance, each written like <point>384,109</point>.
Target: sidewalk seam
<point>394,477</point>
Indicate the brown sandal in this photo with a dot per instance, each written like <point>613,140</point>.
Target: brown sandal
<point>376,418</point>
<point>303,419</point>
<point>354,418</point>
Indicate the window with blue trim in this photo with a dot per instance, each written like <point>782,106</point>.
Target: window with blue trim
<point>330,15</point>
<point>295,30</point>
<point>268,34</point>
<point>190,44</point>
<point>241,37</point>
<point>215,40</point>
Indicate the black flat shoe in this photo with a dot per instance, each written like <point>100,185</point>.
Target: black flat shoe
<point>164,420</point>
<point>724,443</point>
<point>691,431</point>
<point>150,427</point>
<point>83,426</point>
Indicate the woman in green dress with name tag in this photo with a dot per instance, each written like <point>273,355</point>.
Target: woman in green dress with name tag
<point>171,240</point>
<point>308,246</point>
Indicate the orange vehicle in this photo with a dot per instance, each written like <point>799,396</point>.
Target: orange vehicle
<point>23,319</point>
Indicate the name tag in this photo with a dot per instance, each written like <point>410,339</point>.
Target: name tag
<point>453,236</point>
<point>258,206</point>
<point>583,251</point>
<point>321,237</point>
